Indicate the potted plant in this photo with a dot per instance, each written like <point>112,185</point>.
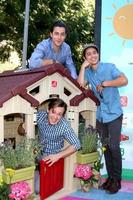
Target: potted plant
<point>89,157</point>
<point>21,159</point>
<point>89,145</point>
<point>89,174</point>
<point>20,190</point>
<point>4,190</point>
<point>84,173</point>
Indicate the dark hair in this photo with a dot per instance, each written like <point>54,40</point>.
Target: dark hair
<point>53,103</point>
<point>59,23</point>
<point>87,46</point>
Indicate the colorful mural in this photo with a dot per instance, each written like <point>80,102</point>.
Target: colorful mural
<point>117,47</point>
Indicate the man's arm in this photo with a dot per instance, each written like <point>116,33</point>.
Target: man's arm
<point>120,81</point>
<point>37,58</point>
<point>70,64</point>
<point>81,79</point>
<point>51,159</point>
<point>74,142</point>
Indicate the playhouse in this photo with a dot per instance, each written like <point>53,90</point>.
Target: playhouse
<point>23,92</point>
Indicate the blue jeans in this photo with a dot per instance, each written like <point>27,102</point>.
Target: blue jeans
<point>37,182</point>
<point>113,159</point>
<point>37,176</point>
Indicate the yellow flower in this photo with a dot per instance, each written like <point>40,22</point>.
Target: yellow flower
<point>10,172</point>
<point>103,149</point>
<point>1,180</point>
<point>96,163</point>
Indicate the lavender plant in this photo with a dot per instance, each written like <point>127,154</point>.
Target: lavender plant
<point>89,140</point>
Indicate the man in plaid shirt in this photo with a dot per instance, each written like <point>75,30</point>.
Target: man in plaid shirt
<point>53,130</point>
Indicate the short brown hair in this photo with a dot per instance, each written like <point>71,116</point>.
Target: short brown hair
<point>53,103</point>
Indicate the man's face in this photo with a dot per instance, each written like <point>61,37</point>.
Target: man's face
<point>92,56</point>
<point>55,114</point>
<point>58,36</point>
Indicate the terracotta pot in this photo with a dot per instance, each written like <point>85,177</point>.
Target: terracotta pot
<point>96,179</point>
<point>97,183</point>
<point>86,187</point>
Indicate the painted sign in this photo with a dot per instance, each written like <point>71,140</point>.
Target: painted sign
<point>117,48</point>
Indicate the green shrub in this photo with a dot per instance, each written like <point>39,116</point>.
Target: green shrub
<point>89,139</point>
<point>23,155</point>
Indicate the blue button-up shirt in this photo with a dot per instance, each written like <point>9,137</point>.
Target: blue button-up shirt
<point>52,136</point>
<point>110,106</point>
<point>44,50</point>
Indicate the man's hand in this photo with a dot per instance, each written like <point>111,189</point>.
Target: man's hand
<point>85,64</point>
<point>100,88</point>
<point>51,159</point>
<point>48,62</point>
<point>80,78</point>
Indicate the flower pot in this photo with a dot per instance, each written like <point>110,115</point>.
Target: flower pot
<point>87,158</point>
<point>96,185</point>
<point>19,175</point>
<point>85,187</point>
<point>97,179</point>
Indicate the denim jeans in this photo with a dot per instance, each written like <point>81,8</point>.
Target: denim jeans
<point>113,160</point>
<point>37,176</point>
<point>37,182</point>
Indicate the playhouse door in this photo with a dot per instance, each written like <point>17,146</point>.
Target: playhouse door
<point>51,178</point>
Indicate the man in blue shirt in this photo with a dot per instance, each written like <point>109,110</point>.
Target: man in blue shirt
<point>54,49</point>
<point>104,79</point>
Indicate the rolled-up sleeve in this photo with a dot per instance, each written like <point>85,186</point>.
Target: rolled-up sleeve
<point>37,56</point>
<point>71,137</point>
<point>70,64</point>
<point>115,71</point>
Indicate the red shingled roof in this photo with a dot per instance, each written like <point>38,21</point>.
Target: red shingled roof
<point>14,83</point>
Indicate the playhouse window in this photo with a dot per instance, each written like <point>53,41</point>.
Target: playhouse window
<point>67,92</point>
<point>35,91</point>
<point>11,141</point>
<point>9,118</point>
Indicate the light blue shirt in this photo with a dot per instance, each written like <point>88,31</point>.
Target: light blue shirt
<point>52,136</point>
<point>44,50</point>
<point>110,106</point>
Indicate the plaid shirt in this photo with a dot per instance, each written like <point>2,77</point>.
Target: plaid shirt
<point>52,136</point>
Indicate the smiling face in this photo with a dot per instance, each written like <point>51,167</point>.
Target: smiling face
<point>55,114</point>
<point>92,56</point>
<point>58,36</point>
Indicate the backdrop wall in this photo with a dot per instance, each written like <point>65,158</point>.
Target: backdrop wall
<point>116,44</point>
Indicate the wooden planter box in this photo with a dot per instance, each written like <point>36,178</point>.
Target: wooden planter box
<point>24,174</point>
<point>87,158</point>
<point>20,175</point>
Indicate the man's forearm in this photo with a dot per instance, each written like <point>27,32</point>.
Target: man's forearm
<point>67,152</point>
